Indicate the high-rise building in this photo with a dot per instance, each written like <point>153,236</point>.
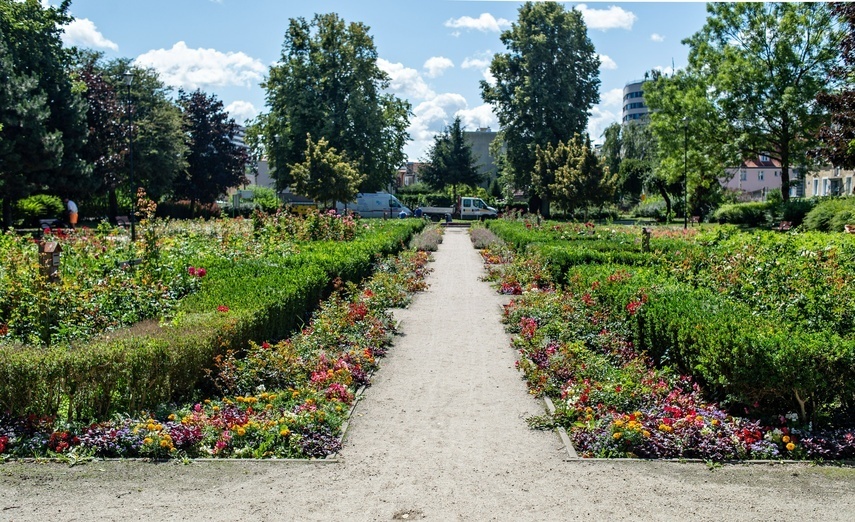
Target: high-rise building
<point>480,141</point>
<point>634,107</point>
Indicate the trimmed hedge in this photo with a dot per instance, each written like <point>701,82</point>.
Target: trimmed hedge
<point>240,300</point>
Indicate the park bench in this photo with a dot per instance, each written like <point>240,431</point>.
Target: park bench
<point>123,221</point>
<point>696,220</point>
<point>783,226</point>
<point>849,229</point>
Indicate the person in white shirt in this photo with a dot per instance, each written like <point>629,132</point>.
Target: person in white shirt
<point>71,209</point>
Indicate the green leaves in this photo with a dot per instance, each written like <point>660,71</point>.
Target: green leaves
<point>325,175</point>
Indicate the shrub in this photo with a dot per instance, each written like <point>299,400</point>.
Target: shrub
<point>39,206</point>
<point>830,215</point>
<point>795,210</point>
<point>650,208</point>
<point>752,214</point>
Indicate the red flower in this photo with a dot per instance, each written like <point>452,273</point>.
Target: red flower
<point>265,345</point>
<point>201,272</point>
<point>223,308</point>
<point>192,271</point>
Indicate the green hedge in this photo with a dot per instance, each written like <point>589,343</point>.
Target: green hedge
<point>750,214</point>
<point>141,367</point>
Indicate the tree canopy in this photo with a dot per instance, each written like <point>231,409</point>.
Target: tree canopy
<point>214,161</point>
<point>41,111</point>
<point>325,174</point>
<point>327,84</point>
<point>763,65</point>
<point>571,175</point>
<point>545,85</point>
<point>837,135</point>
<point>450,161</point>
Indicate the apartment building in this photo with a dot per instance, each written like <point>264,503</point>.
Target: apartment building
<point>634,107</point>
<point>829,181</point>
<point>755,178</point>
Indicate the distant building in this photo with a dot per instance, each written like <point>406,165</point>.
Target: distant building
<point>634,107</point>
<point>409,174</point>
<point>755,178</point>
<point>829,181</point>
<point>480,141</point>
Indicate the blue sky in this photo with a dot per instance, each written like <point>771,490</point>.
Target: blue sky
<point>435,51</point>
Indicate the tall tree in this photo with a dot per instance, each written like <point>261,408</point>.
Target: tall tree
<point>837,135</point>
<point>692,139</point>
<point>325,174</point>
<point>41,111</point>
<point>764,64</point>
<point>215,162</point>
<point>450,161</point>
<point>327,84</point>
<point>545,85</point>
<point>106,147</point>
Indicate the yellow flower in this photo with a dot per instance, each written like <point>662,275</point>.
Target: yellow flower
<point>618,423</point>
<point>786,439</point>
<point>241,431</point>
<point>791,446</point>
<point>164,443</point>
<point>147,440</point>
<point>284,432</point>
<point>207,401</point>
<point>171,417</point>
<point>268,407</point>
<point>645,433</point>
<point>216,408</point>
<point>272,397</point>
<point>617,435</point>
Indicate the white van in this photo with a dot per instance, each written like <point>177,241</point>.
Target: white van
<point>375,205</point>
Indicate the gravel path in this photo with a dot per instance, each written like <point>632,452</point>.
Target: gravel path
<point>440,435</point>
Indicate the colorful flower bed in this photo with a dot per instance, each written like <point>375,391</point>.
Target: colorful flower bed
<point>279,400</point>
<point>578,346</point>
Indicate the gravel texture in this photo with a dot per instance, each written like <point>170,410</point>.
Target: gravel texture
<point>440,435</point>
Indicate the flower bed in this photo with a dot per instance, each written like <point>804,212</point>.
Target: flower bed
<point>278,400</point>
<point>580,345</point>
<point>260,282</point>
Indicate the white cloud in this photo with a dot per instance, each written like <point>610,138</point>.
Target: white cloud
<point>476,63</point>
<point>197,68</point>
<point>612,18</point>
<point>666,70</point>
<point>241,111</point>
<point>405,81</point>
<point>656,37</point>
<point>477,117</point>
<point>612,98</point>
<point>437,65</point>
<point>606,62</point>
<point>485,22</point>
<point>599,120</point>
<point>82,32</point>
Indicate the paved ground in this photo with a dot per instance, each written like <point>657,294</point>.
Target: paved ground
<point>440,435</point>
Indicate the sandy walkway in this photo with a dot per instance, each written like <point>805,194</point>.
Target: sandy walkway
<point>440,435</point>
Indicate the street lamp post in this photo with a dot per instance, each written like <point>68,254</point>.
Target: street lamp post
<point>129,79</point>
<point>685,173</point>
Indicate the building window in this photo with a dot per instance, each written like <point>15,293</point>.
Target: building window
<point>743,175</point>
<point>760,176</point>
<point>816,187</point>
<point>849,185</point>
<point>777,173</point>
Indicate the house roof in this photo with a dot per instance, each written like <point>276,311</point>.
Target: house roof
<point>770,163</point>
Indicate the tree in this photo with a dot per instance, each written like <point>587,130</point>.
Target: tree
<point>325,174</point>
<point>106,147</point>
<point>450,161</point>
<point>41,112</point>
<point>327,84</point>
<point>572,175</point>
<point>837,135</point>
<point>160,149</point>
<point>690,138</point>
<point>544,86</point>
<point>214,161</point>
<point>764,64</point>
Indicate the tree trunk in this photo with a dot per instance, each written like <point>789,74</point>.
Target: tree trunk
<point>7,212</point>
<point>192,208</point>
<point>544,207</point>
<point>785,175</point>
<point>664,194</point>
<point>112,205</point>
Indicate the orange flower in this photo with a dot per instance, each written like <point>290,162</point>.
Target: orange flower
<point>791,446</point>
